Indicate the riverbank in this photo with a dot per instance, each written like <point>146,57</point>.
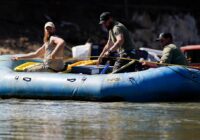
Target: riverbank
<point>17,46</point>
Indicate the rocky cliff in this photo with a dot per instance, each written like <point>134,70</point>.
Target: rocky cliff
<point>22,21</point>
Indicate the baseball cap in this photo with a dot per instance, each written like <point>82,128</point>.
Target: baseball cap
<point>49,24</point>
<point>164,35</point>
<point>104,17</point>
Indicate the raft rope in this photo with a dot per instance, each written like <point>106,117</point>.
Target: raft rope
<point>129,59</point>
<point>192,73</point>
<point>157,63</point>
<point>122,58</point>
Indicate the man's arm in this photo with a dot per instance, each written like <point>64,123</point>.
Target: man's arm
<point>38,53</point>
<point>105,49</point>
<point>116,45</point>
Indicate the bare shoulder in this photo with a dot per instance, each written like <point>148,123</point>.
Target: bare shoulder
<point>56,39</point>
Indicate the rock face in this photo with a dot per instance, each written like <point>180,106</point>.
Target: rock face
<point>22,22</point>
<point>182,26</point>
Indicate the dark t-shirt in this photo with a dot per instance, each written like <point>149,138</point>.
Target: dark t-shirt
<point>117,29</point>
<point>173,55</point>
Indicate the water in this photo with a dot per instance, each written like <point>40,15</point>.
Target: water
<point>44,119</point>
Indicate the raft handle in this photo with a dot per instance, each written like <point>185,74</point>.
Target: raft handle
<point>132,79</point>
<point>16,77</point>
<point>27,79</point>
<point>71,80</point>
<point>84,78</point>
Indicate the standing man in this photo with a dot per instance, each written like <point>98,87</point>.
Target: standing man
<point>119,40</point>
<point>52,52</point>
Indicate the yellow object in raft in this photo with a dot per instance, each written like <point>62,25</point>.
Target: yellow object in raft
<point>26,65</point>
<point>81,63</point>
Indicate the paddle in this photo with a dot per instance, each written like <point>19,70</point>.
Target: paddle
<point>156,64</point>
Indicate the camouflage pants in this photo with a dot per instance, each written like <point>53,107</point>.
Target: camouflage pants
<point>121,62</point>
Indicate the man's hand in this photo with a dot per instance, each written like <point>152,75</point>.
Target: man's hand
<point>106,54</point>
<point>99,60</point>
<point>14,58</point>
<point>149,64</point>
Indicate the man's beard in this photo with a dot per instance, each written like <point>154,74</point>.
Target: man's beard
<point>110,26</point>
<point>51,33</point>
<point>47,35</point>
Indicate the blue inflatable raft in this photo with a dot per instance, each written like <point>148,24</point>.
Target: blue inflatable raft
<point>169,83</point>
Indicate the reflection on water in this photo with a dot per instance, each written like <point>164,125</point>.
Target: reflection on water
<point>42,119</point>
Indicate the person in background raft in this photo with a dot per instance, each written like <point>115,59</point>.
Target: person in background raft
<point>119,40</point>
<point>52,51</point>
<point>171,54</point>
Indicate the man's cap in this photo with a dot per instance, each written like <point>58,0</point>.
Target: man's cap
<point>49,24</point>
<point>164,35</point>
<point>104,17</point>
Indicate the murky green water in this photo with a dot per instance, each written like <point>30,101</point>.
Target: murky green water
<point>43,119</point>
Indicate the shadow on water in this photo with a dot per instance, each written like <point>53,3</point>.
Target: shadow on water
<point>46,119</point>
